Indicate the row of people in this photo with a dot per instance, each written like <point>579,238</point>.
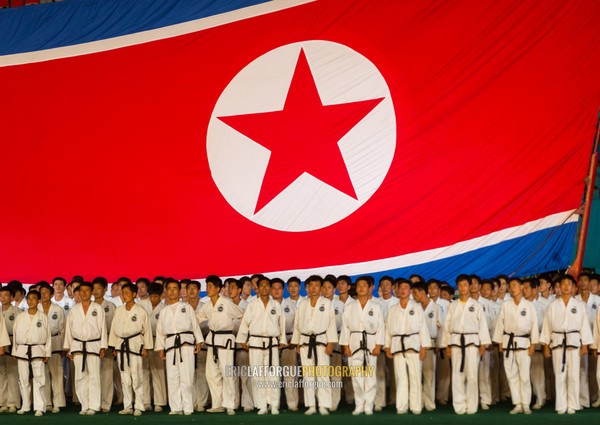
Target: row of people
<point>319,328</point>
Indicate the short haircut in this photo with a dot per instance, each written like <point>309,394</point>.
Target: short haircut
<point>47,286</point>
<point>369,279</point>
<point>234,282</point>
<point>185,281</point>
<point>86,285</point>
<point>313,278</point>
<point>293,279</point>
<point>517,279</point>
<point>475,277</point>
<point>533,282</point>
<point>595,276</point>
<point>155,289</point>
<point>76,289</point>
<point>59,278</point>
<point>400,280</point>
<point>255,276</point>
<point>78,278</point>
<point>171,280</point>
<point>344,278</point>
<point>8,289</point>
<point>100,280</point>
<point>463,276</point>
<point>567,277</point>
<point>34,293</point>
<point>194,283</point>
<point>546,277</point>
<point>330,278</point>
<point>215,280</point>
<point>416,276</point>
<point>503,276</point>
<point>123,279</point>
<point>447,288</point>
<point>386,277</point>
<point>264,279</point>
<point>420,286</point>
<point>133,288</point>
<point>245,279</point>
<point>487,282</point>
<point>277,280</point>
<point>584,274</point>
<point>157,278</point>
<point>142,280</point>
<point>14,284</point>
<point>433,282</point>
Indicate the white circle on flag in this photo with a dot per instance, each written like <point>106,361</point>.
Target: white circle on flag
<point>238,163</point>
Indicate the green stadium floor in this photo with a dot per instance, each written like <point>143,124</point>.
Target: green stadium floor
<point>497,415</point>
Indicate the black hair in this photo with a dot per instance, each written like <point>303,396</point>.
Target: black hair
<point>101,281</point>
<point>62,279</point>
<point>34,292</point>
<point>215,280</point>
<point>313,278</point>
<point>194,283</point>
<point>133,288</point>
<point>155,289</point>
<point>462,277</point>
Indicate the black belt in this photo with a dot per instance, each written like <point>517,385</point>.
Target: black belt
<point>402,346</point>
<point>363,346</point>
<point>215,348</point>
<point>312,345</point>
<point>463,346</point>
<point>269,347</point>
<point>125,350</point>
<point>30,357</point>
<point>564,346</point>
<point>84,350</point>
<point>511,342</point>
<point>177,344</point>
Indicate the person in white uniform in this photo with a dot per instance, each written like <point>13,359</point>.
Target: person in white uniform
<point>32,346</point>
<point>288,356</point>
<point>517,333</point>
<point>178,339</point>
<point>10,396</point>
<point>385,366</point>
<point>362,339</point>
<point>315,333</point>
<point>221,314</point>
<point>200,383</point>
<point>85,343</point>
<point>465,338</point>
<point>442,364</point>
<point>406,341</point>
<point>60,298</point>
<point>262,333</point>
<point>566,334</point>
<point>153,306</point>
<point>328,291</point>
<point>54,388</point>
<point>131,337</point>
<point>431,312</point>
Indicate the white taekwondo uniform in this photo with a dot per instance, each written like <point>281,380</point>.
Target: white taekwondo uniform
<point>288,356</point>
<point>385,366</point>
<point>156,366</point>
<point>85,336</point>
<point>130,333</point>
<point>177,334</point>
<point>220,343</point>
<point>314,328</point>
<point>263,329</point>
<point>54,389</point>
<point>517,329</point>
<point>32,343</point>
<point>107,364</point>
<point>566,328</point>
<point>405,334</point>
<point>362,330</point>
<point>588,363</point>
<point>442,365</point>
<point>200,382</point>
<point>434,326</point>
<point>465,329</point>
<point>241,358</point>
<point>10,396</point>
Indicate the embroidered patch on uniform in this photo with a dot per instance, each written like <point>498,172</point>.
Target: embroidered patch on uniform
<point>11,317</point>
<point>412,312</point>
<point>336,311</point>
<point>106,309</point>
<point>273,311</point>
<point>287,309</point>
<point>39,324</point>
<point>183,310</point>
<point>54,316</point>
<point>523,313</point>
<point>574,310</point>
<point>472,309</point>
<point>134,319</point>
<point>370,312</point>
<point>431,314</point>
<point>322,308</point>
<point>94,313</point>
<point>220,309</point>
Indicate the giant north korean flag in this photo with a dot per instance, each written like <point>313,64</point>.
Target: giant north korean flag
<point>186,138</point>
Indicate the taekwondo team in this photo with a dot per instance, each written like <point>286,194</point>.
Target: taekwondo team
<point>157,344</point>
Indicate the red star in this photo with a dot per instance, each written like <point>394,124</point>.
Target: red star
<point>303,137</point>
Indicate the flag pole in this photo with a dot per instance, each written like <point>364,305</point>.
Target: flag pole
<point>577,266</point>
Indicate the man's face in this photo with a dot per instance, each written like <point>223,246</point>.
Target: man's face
<point>192,292</point>
<point>404,291</point>
<point>154,299</point>
<point>5,297</point>
<point>544,285</point>
<point>115,290</point>
<point>32,301</point>
<point>362,288</point>
<point>327,289</point>
<point>528,291</point>
<point>417,295</point>
<point>342,287</point>
<point>594,286</point>
<point>486,290</point>
<point>264,288</point>
<point>386,288</point>
<point>99,290</point>
<point>514,289</point>
<point>434,290</point>
<point>584,283</point>
<point>85,293</point>
<point>475,287</point>
<point>234,291</point>
<point>247,288</point>
<point>59,286</point>
<point>142,288</point>
<point>463,287</point>
<point>566,287</point>
<point>293,288</point>
<point>128,295</point>
<point>445,295</point>
<point>173,292</point>
<point>277,291</point>
<point>46,295</point>
<point>314,288</point>
<point>503,286</point>
<point>396,290</point>
<point>183,291</point>
<point>212,290</point>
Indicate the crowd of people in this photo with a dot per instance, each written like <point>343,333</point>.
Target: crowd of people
<point>402,342</point>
